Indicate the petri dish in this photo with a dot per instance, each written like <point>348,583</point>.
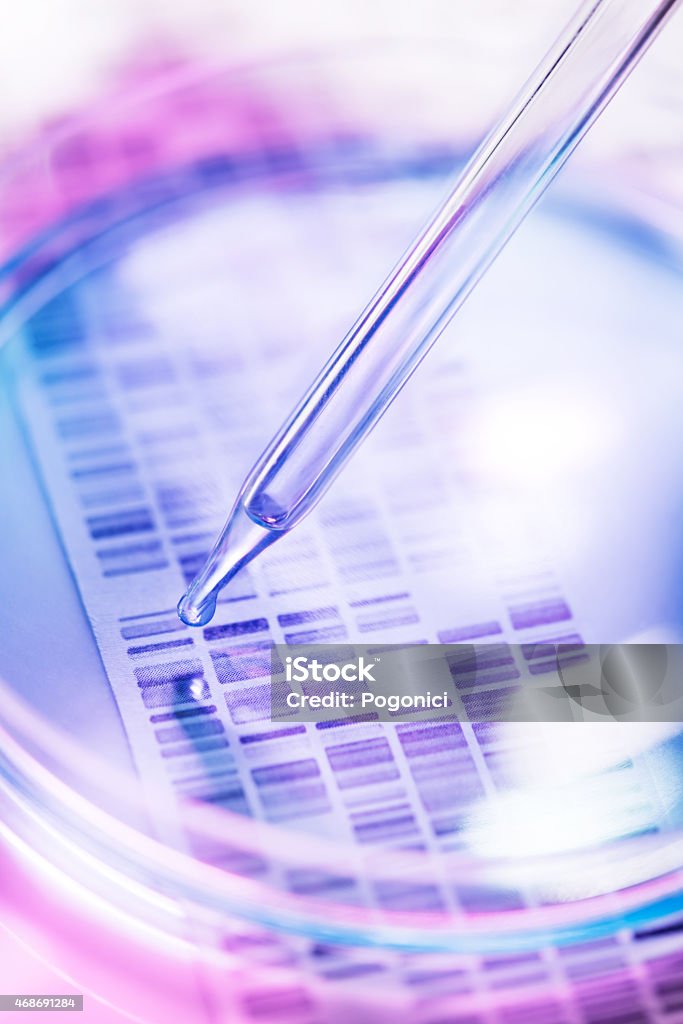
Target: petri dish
<point>190,254</point>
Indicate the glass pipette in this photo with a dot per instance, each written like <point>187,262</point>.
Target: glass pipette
<point>499,186</point>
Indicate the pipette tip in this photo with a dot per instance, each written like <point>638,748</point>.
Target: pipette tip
<point>241,540</point>
<point>196,614</point>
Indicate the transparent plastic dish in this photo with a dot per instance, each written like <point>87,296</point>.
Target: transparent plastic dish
<point>570,410</point>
